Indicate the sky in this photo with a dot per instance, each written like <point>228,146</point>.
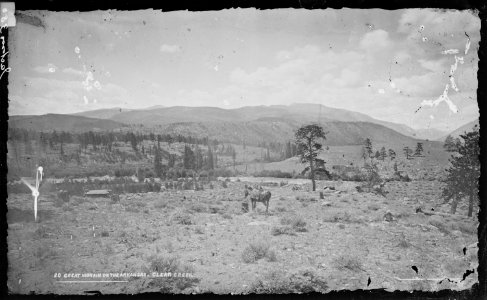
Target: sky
<point>417,67</point>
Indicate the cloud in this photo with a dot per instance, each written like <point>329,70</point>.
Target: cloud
<point>425,85</point>
<point>439,65</point>
<point>65,96</point>
<point>375,40</point>
<point>75,72</point>
<point>169,48</point>
<point>50,68</point>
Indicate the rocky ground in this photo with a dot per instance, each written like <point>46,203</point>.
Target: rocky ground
<point>348,240</point>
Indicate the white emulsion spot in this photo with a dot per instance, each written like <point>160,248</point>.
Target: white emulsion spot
<point>450,51</point>
<point>97,85</point>
<point>381,91</point>
<point>76,50</point>
<point>432,117</point>
<point>95,101</point>
<point>443,98</point>
<point>393,85</point>
<point>467,46</point>
<point>85,99</point>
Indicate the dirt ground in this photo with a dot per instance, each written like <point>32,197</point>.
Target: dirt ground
<point>347,239</point>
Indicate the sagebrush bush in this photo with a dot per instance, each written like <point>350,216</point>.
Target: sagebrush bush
<point>181,217</point>
<point>347,262</point>
<point>278,282</point>
<point>256,251</point>
<point>198,207</point>
<point>296,222</point>
<point>171,264</point>
<point>160,204</point>
<point>278,230</point>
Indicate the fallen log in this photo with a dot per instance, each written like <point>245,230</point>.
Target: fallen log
<point>433,213</point>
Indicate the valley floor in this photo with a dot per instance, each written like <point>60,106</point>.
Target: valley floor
<point>344,239</point>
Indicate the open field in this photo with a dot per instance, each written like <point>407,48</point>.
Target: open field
<point>339,242</point>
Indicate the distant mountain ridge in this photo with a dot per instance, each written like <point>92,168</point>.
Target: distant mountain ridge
<point>60,122</point>
<point>308,112</point>
<point>462,129</point>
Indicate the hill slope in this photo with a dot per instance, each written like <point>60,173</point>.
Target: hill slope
<point>60,122</point>
<point>462,129</point>
<point>279,130</point>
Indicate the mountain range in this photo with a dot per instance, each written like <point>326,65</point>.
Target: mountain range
<point>297,112</point>
<point>252,124</point>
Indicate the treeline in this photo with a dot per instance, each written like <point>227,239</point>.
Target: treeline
<point>381,154</point>
<point>104,139</point>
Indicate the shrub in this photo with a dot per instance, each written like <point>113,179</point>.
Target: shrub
<point>44,252</point>
<point>160,204</point>
<point>296,222</point>
<point>278,230</point>
<point>41,232</point>
<point>373,206</point>
<point>339,217</point>
<point>277,282</point>
<point>281,209</point>
<point>214,209</point>
<point>183,218</point>
<point>132,208</point>
<point>171,264</point>
<point>227,216</point>
<point>347,262</point>
<point>256,251</point>
<point>198,207</point>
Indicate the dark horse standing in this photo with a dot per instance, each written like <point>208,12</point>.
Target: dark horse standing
<point>258,195</point>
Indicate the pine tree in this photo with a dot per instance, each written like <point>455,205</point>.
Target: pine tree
<point>407,152</point>
<point>234,158</point>
<point>449,144</point>
<point>308,148</point>
<point>383,153</point>
<point>188,158</point>
<point>463,175</point>
<point>210,164</point>
<point>392,154</point>
<point>368,147</point>
<point>419,149</point>
<point>157,163</point>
